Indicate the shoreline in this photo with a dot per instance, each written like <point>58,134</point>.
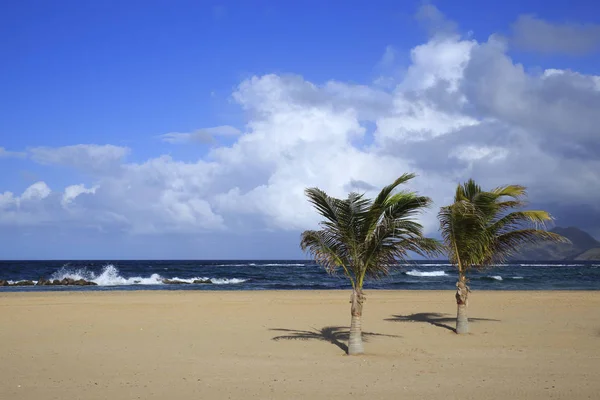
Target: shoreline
<point>191,291</point>
<point>289,344</point>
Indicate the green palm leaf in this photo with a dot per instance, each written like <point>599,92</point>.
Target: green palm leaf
<point>367,237</point>
<point>478,229</point>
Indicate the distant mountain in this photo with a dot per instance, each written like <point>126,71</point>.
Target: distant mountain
<point>583,247</point>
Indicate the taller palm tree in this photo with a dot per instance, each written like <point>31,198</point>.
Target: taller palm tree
<point>364,237</point>
<point>479,230</point>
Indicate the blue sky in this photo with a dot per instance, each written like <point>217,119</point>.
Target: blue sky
<point>254,91</point>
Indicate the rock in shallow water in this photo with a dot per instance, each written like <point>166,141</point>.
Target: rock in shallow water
<point>47,282</point>
<point>174,282</point>
<point>177,282</point>
<point>23,283</point>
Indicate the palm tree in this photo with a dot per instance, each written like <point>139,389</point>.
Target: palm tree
<point>479,230</point>
<point>364,237</point>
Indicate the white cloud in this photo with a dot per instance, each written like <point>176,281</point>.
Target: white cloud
<point>435,21</point>
<point>37,191</point>
<point>206,135</point>
<point>471,153</point>
<point>89,157</point>
<point>26,209</point>
<point>441,59</point>
<point>555,107</point>
<point>463,109</point>
<point>5,153</point>
<point>534,34</point>
<point>73,191</point>
<point>6,199</point>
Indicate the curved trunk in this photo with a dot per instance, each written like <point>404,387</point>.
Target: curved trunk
<point>462,298</point>
<point>355,343</point>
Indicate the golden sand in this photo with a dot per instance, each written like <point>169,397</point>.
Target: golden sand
<point>220,345</point>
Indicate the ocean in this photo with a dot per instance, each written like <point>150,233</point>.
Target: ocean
<point>291,275</point>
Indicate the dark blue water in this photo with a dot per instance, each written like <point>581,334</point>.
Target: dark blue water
<point>286,275</point>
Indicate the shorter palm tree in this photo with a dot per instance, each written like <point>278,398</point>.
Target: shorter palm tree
<point>364,237</point>
<point>479,230</point>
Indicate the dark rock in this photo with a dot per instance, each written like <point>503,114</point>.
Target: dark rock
<point>56,282</point>
<point>83,282</point>
<point>67,281</point>
<point>174,282</point>
<point>3,282</point>
<point>198,281</point>
<point>24,283</point>
<point>43,282</point>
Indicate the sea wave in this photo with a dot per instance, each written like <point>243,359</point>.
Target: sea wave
<point>276,265</point>
<point>214,281</point>
<point>110,276</point>
<point>416,272</point>
<point>551,265</point>
<point>493,278</point>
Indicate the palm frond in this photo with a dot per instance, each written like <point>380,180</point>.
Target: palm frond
<point>478,229</point>
<point>509,243</point>
<point>366,237</point>
<point>327,251</point>
<point>514,191</point>
<point>520,219</point>
<point>383,201</point>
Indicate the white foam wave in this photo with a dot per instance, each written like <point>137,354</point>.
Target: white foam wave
<point>416,272</point>
<point>517,277</point>
<point>214,281</point>
<point>424,265</point>
<point>225,281</point>
<point>552,265</point>
<point>496,277</point>
<point>110,276</point>
<point>231,265</point>
<point>282,265</point>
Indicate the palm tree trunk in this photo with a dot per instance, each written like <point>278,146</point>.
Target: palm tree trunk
<point>355,343</point>
<point>462,299</point>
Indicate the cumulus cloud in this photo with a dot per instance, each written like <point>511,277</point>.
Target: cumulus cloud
<point>534,34</point>
<point>463,109</point>
<point>206,135</point>
<point>26,209</point>
<point>37,191</point>
<point>73,191</point>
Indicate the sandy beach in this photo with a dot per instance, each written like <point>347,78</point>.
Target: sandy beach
<point>220,345</point>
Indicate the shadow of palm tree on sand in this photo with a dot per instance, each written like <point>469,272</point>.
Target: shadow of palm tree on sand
<point>336,335</point>
<point>435,319</point>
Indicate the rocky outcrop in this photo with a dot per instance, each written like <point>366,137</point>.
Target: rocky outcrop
<point>174,282</point>
<point>73,282</point>
<point>82,282</point>
<point>178,282</point>
<point>47,282</point>
<point>24,283</point>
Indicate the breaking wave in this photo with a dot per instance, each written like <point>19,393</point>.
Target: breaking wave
<point>110,276</point>
<point>416,272</point>
<point>493,278</point>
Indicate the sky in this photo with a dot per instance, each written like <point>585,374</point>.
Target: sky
<point>190,129</point>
